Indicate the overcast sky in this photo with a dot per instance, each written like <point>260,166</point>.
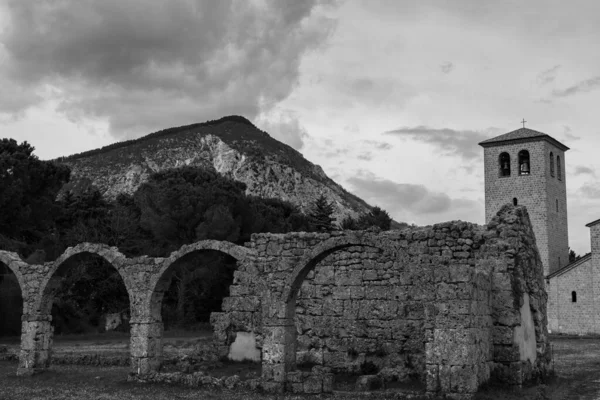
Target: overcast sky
<point>390,97</point>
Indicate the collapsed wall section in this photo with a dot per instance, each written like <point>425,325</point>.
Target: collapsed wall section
<point>396,299</point>
<point>519,298</point>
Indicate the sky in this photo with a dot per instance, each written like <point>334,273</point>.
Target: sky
<point>390,97</point>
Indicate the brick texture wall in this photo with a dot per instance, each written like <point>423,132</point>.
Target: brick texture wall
<point>566,316</point>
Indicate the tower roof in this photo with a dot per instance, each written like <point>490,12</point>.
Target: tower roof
<point>522,135</point>
<point>593,223</point>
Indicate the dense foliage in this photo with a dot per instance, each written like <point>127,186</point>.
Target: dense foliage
<point>173,208</point>
<point>28,188</point>
<point>375,218</point>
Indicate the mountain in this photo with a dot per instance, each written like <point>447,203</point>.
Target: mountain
<point>232,146</point>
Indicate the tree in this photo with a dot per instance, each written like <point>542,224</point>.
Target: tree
<point>28,189</point>
<point>175,203</point>
<point>573,256</point>
<point>320,216</point>
<point>376,217</point>
<point>349,224</point>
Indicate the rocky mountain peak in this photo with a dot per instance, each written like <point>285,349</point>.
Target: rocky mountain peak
<point>231,146</point>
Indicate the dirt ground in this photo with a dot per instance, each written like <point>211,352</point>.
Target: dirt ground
<point>576,361</point>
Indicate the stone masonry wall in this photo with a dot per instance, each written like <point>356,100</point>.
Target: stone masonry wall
<point>352,309</point>
<point>566,316</point>
<point>538,191</point>
<point>452,304</point>
<point>580,316</point>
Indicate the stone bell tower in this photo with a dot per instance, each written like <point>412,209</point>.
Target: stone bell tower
<point>526,167</point>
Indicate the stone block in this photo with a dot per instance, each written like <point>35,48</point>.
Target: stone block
<point>313,385</point>
<point>377,292</point>
<point>332,307</point>
<point>327,382</point>
<point>432,380</point>
<point>367,383</point>
<point>460,273</point>
<point>150,330</point>
<point>503,335</point>
<point>370,275</point>
<point>325,275</point>
<point>506,353</point>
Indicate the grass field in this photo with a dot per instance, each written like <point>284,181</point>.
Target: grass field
<point>577,365</point>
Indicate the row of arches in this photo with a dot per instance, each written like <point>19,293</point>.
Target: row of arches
<point>524,164</point>
<point>145,300</point>
<point>138,284</point>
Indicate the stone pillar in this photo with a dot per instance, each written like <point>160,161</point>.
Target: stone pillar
<point>278,354</point>
<point>146,346</point>
<point>36,344</point>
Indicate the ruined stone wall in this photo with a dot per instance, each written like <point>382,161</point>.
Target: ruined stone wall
<point>519,298</point>
<point>452,304</point>
<point>353,308</point>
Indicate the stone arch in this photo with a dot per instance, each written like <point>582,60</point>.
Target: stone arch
<point>37,329</point>
<point>111,255</point>
<point>231,249</point>
<point>279,347</point>
<point>161,280</point>
<point>324,249</point>
<point>15,264</point>
<point>147,327</point>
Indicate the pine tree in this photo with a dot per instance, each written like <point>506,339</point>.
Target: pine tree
<point>320,216</point>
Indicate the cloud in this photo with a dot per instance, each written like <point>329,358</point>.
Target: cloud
<point>547,76</point>
<point>453,142</point>
<point>398,197</point>
<point>378,145</point>
<point>413,203</point>
<point>580,169</point>
<point>365,156</point>
<point>143,68</point>
<point>590,190</point>
<point>447,67</point>
<point>568,135</point>
<point>285,127</point>
<point>582,87</point>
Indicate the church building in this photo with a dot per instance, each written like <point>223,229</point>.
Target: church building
<point>527,167</point>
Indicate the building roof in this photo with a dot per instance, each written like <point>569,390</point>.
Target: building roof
<point>592,223</point>
<point>522,135</point>
<point>570,266</point>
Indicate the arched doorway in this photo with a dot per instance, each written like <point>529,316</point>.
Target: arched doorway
<point>189,288</point>
<point>349,308</point>
<point>78,293</point>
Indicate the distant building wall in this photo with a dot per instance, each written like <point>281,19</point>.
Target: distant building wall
<point>574,292</point>
<point>571,304</point>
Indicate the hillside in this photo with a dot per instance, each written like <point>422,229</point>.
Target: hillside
<point>232,146</point>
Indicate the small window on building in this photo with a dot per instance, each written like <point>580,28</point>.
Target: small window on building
<point>574,296</point>
<point>524,165</point>
<point>504,164</point>
<point>515,201</point>
<point>558,168</point>
<point>551,164</point>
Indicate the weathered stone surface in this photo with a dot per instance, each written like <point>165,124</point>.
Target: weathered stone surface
<point>369,382</point>
<point>439,302</point>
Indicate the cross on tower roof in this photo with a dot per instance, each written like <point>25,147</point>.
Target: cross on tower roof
<point>523,122</point>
